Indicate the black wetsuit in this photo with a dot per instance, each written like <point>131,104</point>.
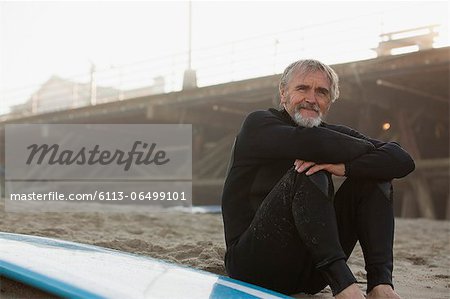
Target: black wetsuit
<point>291,233</point>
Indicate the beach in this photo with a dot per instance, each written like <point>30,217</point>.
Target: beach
<point>421,247</point>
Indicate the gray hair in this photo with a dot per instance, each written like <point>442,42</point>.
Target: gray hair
<point>307,66</point>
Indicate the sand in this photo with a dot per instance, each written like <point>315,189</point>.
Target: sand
<point>422,251</point>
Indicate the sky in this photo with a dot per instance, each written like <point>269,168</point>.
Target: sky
<point>230,40</point>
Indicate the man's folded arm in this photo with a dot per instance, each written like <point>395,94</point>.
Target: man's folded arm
<point>387,161</point>
<point>266,136</point>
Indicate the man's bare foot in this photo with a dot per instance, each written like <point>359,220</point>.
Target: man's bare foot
<point>351,292</point>
<point>382,291</point>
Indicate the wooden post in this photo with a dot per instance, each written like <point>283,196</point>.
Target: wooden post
<point>409,205</point>
<point>419,184</point>
<point>447,216</point>
<point>198,142</point>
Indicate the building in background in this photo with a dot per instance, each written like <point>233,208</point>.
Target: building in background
<point>58,94</point>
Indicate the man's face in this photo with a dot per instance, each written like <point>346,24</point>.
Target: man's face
<point>307,98</point>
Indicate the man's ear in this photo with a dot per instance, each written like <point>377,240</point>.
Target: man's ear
<point>282,95</point>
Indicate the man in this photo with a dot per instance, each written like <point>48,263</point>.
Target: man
<point>285,228</point>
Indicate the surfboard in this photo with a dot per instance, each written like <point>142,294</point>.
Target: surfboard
<point>75,270</point>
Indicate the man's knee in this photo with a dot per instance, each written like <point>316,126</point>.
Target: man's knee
<point>367,187</point>
<point>378,187</point>
<point>386,189</point>
<point>322,180</point>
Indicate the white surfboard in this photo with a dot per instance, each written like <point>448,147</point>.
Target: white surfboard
<point>75,270</point>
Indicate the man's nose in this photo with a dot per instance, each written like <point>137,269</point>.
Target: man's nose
<point>311,96</point>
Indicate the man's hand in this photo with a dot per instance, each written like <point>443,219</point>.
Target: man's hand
<point>336,169</point>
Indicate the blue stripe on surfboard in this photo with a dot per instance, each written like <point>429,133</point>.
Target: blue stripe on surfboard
<point>225,279</point>
<point>44,282</point>
<point>220,291</point>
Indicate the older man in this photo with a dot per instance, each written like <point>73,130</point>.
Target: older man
<point>285,227</point>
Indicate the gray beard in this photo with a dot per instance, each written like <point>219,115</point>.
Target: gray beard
<point>307,122</point>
